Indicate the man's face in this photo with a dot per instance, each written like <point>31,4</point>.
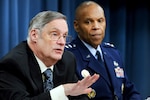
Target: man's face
<point>50,43</point>
<point>90,25</point>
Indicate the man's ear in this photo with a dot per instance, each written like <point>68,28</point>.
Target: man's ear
<point>34,34</point>
<point>76,25</point>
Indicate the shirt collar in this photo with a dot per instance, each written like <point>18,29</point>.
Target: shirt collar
<point>42,65</point>
<point>93,50</point>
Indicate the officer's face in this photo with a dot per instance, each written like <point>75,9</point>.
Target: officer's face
<point>90,25</point>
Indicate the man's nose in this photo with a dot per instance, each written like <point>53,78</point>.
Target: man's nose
<point>61,40</point>
<point>96,25</point>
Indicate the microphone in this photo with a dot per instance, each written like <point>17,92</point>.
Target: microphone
<point>84,74</point>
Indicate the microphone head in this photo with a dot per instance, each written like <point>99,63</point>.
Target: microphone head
<point>85,73</point>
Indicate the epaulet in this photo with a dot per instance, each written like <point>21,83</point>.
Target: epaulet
<point>106,44</point>
<point>69,46</point>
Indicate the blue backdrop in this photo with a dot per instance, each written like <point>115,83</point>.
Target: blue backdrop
<point>128,27</point>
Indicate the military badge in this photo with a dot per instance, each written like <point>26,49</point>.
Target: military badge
<point>119,71</point>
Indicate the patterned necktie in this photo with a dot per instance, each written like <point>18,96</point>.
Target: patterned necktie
<point>48,82</point>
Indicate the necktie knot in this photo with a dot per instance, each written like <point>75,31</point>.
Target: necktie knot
<point>98,55</point>
<point>99,58</point>
<point>47,73</point>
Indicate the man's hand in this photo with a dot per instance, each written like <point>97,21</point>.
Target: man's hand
<point>81,87</point>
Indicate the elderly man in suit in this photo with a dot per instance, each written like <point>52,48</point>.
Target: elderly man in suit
<point>39,68</point>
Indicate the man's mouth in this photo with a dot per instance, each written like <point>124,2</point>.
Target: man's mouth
<point>58,50</point>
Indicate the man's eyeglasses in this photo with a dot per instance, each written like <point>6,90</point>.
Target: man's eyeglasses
<point>55,36</point>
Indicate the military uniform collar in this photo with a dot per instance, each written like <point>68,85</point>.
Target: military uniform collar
<point>93,50</point>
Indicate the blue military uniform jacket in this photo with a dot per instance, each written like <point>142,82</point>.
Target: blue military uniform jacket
<point>113,83</point>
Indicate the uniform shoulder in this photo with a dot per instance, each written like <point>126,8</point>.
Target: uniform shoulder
<point>108,45</point>
<point>70,46</point>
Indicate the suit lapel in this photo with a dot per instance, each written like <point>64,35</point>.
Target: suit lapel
<point>35,72</point>
<point>111,71</point>
<point>98,68</point>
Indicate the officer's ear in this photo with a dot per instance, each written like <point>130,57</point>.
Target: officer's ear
<point>76,26</point>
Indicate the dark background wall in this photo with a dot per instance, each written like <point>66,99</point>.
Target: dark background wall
<point>128,28</point>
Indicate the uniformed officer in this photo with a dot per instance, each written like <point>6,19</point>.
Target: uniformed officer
<point>98,57</point>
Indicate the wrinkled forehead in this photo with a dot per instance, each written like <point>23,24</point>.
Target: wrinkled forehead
<point>57,25</point>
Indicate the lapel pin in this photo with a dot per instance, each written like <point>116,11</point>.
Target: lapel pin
<point>88,56</point>
<point>116,64</point>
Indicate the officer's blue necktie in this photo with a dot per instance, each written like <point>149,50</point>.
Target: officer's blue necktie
<point>99,57</point>
<point>48,82</point>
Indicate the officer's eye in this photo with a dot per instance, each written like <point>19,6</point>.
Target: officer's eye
<point>87,21</point>
<point>101,20</point>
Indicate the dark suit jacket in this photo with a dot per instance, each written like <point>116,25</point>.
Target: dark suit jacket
<point>21,79</point>
<point>109,86</point>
